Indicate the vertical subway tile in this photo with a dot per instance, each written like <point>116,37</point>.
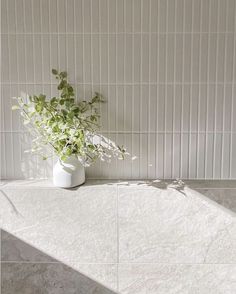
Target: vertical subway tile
<point>145,58</point>
<point>79,16</point>
<point>19,16</point>
<point>137,15</point>
<point>137,57</point>
<point>144,105</point>
<point>171,10</point>
<point>162,5</point>
<point>188,16</point>
<point>169,108</point>
<point>137,96</point>
<point>211,108</point>
<point>112,58</point>
<point>222,15</point>
<point>231,16</point>
<point>53,15</point>
<point>70,16</point>
<point>95,16</point>
<point>104,15</point>
<point>13,65</point>
<point>120,9</point>
<point>192,156</point>
<point>128,63</point>
<point>152,108</point>
<point>11,20</point>
<point>184,156</point>
<point>168,140</point>
<point>5,74</point>
<point>120,50</point>
<point>128,16</point>
<point>219,106</point>
<point>36,16</point>
<point>95,58</point>
<point>176,155</point>
<point>179,15</point>
<point>154,15</point>
<point>153,58</point>
<point>45,16</point>
<point>4,25</point>
<point>209,156</point>
<point>170,58</point>
<point>103,39</point>
<point>201,152</point>
<point>112,16</point>
<point>145,17</point>
<point>160,156</point>
<point>177,105</point>
<point>225,171</point>
<point>233,157</point>
<point>217,156</point>
<point>196,15</point>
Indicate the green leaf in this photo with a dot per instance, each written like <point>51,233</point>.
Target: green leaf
<point>15,107</point>
<point>63,74</point>
<point>54,71</point>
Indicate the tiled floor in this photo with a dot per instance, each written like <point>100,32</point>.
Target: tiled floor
<point>134,238</point>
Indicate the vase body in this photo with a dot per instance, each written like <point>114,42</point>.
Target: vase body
<point>69,173</point>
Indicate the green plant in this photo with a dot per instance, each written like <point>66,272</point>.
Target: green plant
<point>69,128</point>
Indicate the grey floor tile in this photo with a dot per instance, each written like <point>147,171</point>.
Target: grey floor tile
<point>224,197</point>
<point>14,249</point>
<point>33,278</point>
<point>173,227</point>
<point>177,279</point>
<point>78,224</point>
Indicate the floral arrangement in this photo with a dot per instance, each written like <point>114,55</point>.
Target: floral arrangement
<point>69,128</point>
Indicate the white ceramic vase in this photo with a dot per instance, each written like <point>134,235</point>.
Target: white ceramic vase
<point>69,173</point>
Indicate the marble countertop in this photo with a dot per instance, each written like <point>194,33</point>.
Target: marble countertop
<point>119,237</point>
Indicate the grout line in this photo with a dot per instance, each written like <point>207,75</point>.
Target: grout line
<point>123,84</point>
<point>149,90</point>
<point>199,91</point>
<point>118,234</point>
<point>174,96</point>
<point>158,89</point>
<point>140,87</point>
<point>232,100</point>
<point>115,263</point>
<point>165,95</point>
<point>10,88</point>
<point>216,93</point>
<point>182,95</point>
<point>132,107</point>
<point>190,91</point>
<point>224,93</point>
<point>137,132</point>
<point>207,95</point>
<point>115,33</point>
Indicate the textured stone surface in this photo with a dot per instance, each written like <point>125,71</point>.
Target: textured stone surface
<point>77,225</point>
<point>173,227</point>
<point>177,279</point>
<point>53,278</point>
<point>15,250</point>
<point>138,237</point>
<point>224,197</point>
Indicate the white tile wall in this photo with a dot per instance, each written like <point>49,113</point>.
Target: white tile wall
<point>166,67</point>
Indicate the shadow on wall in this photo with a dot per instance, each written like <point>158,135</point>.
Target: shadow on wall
<point>25,269</point>
<point>20,164</point>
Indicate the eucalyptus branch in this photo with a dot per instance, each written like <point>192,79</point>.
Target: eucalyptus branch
<point>67,127</point>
